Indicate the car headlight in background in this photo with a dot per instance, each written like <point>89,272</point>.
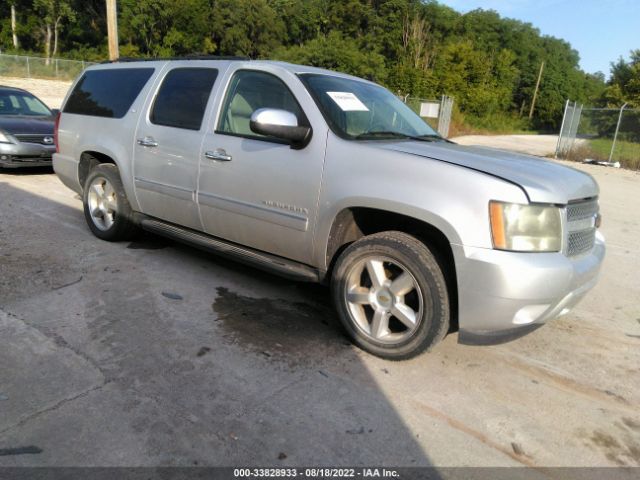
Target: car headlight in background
<point>4,138</point>
<point>525,228</point>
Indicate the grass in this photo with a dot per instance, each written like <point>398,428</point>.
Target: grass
<point>491,124</point>
<point>627,153</point>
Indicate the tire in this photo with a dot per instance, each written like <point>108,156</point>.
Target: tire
<point>104,195</point>
<point>392,320</point>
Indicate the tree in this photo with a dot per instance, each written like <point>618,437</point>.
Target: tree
<point>165,27</point>
<point>336,52</point>
<point>245,27</point>
<point>624,84</point>
<point>53,13</point>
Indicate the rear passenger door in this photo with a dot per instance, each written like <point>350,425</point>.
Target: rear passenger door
<point>167,149</point>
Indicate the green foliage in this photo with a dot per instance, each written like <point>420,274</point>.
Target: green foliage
<point>624,85</point>
<point>421,48</point>
<point>164,27</point>
<point>336,53</point>
<point>499,122</point>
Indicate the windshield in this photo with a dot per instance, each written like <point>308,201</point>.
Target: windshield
<point>13,102</point>
<point>362,111</point>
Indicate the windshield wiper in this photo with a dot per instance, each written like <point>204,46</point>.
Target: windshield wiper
<point>391,133</point>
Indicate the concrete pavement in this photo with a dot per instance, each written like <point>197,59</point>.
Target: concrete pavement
<point>152,353</point>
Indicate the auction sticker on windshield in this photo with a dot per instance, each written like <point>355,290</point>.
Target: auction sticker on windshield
<point>348,102</point>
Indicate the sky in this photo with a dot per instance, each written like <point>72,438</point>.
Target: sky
<point>600,30</point>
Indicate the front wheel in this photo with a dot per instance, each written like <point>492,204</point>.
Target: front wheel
<point>391,295</point>
<point>106,208</point>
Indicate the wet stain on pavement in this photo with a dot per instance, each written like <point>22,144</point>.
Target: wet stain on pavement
<point>281,330</point>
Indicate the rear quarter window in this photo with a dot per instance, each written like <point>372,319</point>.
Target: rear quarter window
<point>107,93</point>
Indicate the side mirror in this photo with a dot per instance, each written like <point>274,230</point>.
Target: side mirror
<point>55,112</point>
<point>280,124</point>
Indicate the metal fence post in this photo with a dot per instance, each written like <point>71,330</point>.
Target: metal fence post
<point>564,118</point>
<point>615,135</point>
<point>575,124</point>
<point>28,69</point>
<point>567,134</point>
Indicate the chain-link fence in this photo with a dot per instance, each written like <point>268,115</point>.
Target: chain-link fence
<point>436,113</point>
<point>609,135</point>
<point>38,67</point>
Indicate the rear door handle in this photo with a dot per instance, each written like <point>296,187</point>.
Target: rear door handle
<point>147,142</point>
<point>218,154</point>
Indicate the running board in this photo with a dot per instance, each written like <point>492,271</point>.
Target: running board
<point>265,261</point>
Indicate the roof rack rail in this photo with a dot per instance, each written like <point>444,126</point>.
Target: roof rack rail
<point>183,57</point>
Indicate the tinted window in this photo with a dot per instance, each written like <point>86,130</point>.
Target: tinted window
<point>183,98</point>
<point>249,91</point>
<point>107,93</point>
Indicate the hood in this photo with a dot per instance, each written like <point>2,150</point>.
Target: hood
<point>24,125</point>
<point>542,180</point>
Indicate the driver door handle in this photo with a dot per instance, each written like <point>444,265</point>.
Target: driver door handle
<point>218,154</point>
<point>147,142</point>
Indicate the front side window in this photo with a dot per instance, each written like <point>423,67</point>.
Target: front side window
<point>107,92</point>
<point>249,91</point>
<point>182,98</point>
<point>357,110</point>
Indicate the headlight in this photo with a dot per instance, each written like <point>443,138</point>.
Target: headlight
<point>525,228</point>
<point>4,138</point>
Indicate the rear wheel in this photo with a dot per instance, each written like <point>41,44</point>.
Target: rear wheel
<point>106,208</point>
<point>391,295</point>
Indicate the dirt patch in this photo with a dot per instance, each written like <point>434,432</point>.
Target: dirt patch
<point>621,448</point>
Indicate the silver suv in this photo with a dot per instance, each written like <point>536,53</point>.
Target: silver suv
<point>325,177</point>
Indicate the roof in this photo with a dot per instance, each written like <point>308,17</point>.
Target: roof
<point>14,89</point>
<point>290,67</point>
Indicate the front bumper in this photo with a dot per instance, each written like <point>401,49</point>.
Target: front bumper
<point>15,155</point>
<point>504,295</point>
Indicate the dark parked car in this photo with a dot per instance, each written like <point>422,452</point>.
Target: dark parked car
<point>26,129</point>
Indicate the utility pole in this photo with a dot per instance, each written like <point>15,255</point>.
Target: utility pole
<point>112,29</point>
<point>535,93</point>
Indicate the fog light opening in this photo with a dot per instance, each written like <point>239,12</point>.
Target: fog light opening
<point>529,314</point>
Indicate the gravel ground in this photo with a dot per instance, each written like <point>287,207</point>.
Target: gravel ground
<point>540,145</point>
<point>152,353</point>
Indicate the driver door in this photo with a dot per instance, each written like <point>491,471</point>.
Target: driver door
<point>256,190</point>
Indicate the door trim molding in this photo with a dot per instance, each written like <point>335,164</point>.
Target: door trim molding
<point>181,193</point>
<point>260,212</point>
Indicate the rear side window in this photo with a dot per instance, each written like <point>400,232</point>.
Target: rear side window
<point>107,93</point>
<point>182,98</point>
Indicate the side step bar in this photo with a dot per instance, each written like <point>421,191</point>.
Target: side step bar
<point>265,261</point>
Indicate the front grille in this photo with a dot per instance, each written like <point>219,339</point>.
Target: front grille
<point>582,210</point>
<point>36,139</point>
<point>580,242</point>
<point>581,227</point>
